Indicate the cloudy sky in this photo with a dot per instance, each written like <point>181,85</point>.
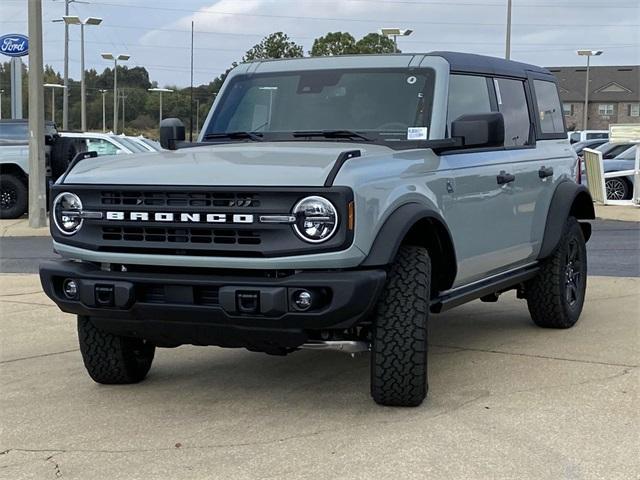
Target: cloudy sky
<point>157,32</point>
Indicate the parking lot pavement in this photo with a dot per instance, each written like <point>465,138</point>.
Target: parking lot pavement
<point>507,400</point>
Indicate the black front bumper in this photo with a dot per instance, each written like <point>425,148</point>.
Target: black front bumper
<point>210,308</point>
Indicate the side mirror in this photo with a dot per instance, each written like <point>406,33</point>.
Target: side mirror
<point>479,130</point>
<point>171,132</point>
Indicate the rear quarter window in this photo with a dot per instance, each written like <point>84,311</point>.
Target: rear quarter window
<point>548,108</point>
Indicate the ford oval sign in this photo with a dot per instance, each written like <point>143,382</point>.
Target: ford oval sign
<point>14,45</point>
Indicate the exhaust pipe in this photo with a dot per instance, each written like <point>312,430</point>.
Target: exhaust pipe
<point>346,346</point>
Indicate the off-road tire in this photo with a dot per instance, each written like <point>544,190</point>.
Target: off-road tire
<point>113,359</point>
<point>399,335</point>
<point>13,196</point>
<point>556,295</point>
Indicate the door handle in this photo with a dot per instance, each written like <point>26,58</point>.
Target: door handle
<point>545,172</point>
<point>503,178</point>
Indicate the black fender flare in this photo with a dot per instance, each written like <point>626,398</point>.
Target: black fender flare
<point>399,224</point>
<point>569,199</point>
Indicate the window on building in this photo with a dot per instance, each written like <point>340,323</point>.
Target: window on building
<point>467,95</point>
<point>549,110</point>
<point>605,109</point>
<point>634,109</point>
<point>512,103</point>
<point>567,109</point>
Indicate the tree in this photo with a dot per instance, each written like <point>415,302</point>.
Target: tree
<point>375,43</point>
<point>276,45</point>
<point>334,43</point>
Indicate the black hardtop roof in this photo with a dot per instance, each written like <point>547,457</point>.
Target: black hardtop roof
<point>458,61</point>
<point>472,63</point>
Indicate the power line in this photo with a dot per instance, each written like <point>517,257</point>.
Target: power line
<point>361,20</point>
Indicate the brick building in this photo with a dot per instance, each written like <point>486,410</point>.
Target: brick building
<point>614,95</point>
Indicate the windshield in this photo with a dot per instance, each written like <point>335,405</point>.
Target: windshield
<point>629,154</point>
<point>380,105</point>
<point>130,144</point>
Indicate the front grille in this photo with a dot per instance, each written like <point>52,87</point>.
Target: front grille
<point>172,234</point>
<point>178,199</point>
<point>187,235</point>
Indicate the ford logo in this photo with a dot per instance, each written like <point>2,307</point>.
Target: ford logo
<point>14,45</point>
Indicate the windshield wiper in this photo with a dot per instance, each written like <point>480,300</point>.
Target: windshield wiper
<point>256,137</point>
<point>332,134</point>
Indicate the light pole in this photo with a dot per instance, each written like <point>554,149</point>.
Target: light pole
<point>65,99</point>
<point>104,117</point>
<point>507,53</point>
<point>123,57</point>
<point>395,33</point>
<point>588,54</point>
<point>160,91</point>
<point>53,87</point>
<point>1,92</point>
<point>73,20</point>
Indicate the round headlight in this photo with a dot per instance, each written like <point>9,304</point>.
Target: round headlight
<point>316,219</point>
<point>66,213</point>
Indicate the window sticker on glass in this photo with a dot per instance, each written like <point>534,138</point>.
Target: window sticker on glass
<point>417,133</point>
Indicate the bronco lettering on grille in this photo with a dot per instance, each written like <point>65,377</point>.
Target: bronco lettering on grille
<point>180,217</point>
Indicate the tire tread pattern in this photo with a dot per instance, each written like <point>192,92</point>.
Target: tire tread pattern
<point>399,350</point>
<point>546,292</point>
<point>113,359</point>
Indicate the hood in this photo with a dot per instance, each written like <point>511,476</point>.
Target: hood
<point>254,164</point>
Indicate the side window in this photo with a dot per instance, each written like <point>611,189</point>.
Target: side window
<point>512,103</point>
<point>548,106</point>
<point>101,146</point>
<point>467,95</point>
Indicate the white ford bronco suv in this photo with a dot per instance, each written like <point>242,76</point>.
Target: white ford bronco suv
<point>328,203</point>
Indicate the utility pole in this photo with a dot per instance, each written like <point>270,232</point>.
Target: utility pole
<point>507,53</point>
<point>65,95</point>
<point>191,91</point>
<point>104,118</point>
<point>123,96</point>
<point>37,191</point>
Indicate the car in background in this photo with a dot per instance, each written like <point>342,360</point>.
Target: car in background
<point>580,136</point>
<point>134,146</point>
<point>146,144</point>
<point>102,143</point>
<point>578,147</point>
<point>620,188</point>
<point>151,143</point>
<point>14,162</point>
<point>611,150</point>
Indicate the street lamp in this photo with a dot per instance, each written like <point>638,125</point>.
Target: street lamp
<point>588,54</point>
<point>74,20</point>
<point>395,33</point>
<point>160,91</point>
<point>104,118</point>
<point>1,92</point>
<point>123,57</point>
<point>53,87</point>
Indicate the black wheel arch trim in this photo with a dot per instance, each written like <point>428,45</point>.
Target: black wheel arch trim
<point>400,226</point>
<point>569,199</point>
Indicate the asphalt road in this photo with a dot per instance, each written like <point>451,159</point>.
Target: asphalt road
<point>614,250</point>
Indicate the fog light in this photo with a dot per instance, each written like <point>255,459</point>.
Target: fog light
<point>70,289</point>
<point>303,300</point>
